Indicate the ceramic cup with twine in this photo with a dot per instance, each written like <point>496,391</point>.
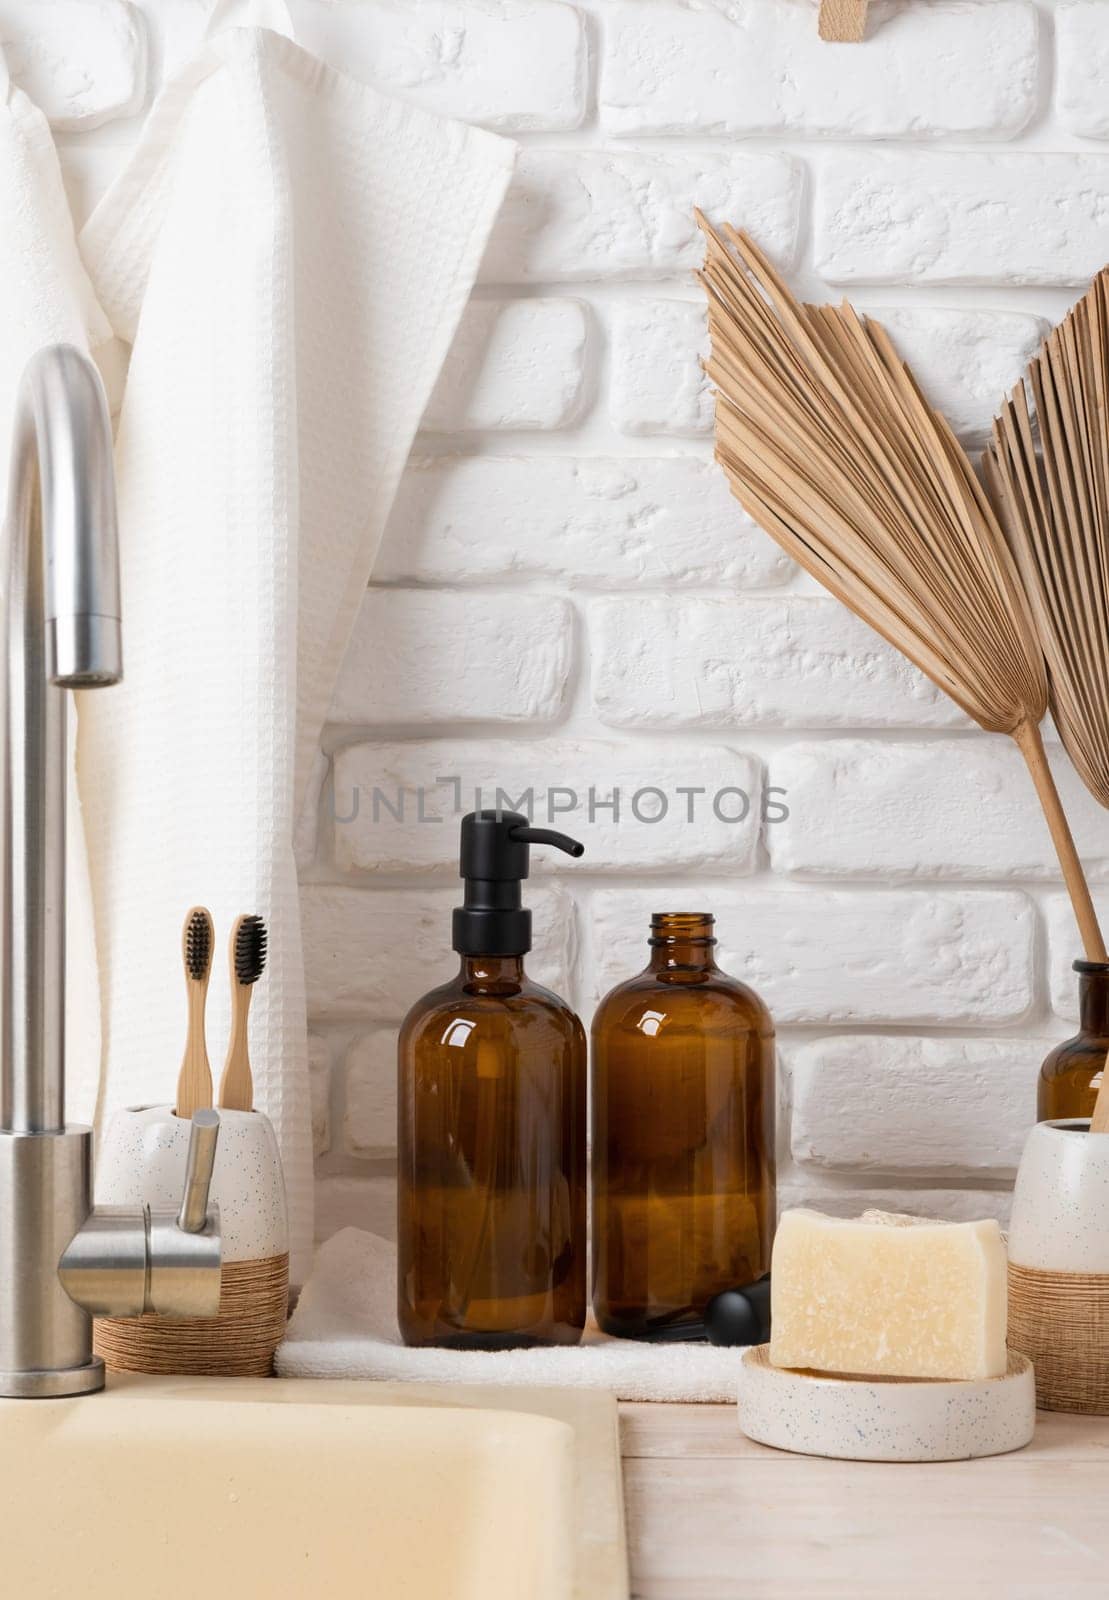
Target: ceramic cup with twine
<point>1059,1265</point>
<point>142,1159</point>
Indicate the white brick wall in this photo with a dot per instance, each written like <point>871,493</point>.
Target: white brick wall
<point>82,61</point>
<point>750,68</point>
<point>938,808</point>
<point>598,522</point>
<point>422,655</point>
<point>1083,58</point>
<point>513,364</point>
<point>934,958</point>
<point>787,663</point>
<point>964,218</point>
<point>567,596</point>
<point>874,1103</point>
<point>634,809</point>
<point>574,215</point>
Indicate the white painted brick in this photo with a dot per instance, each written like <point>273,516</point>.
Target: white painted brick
<point>549,780</point>
<point>371,953</point>
<point>175,29</point>
<point>965,361</point>
<point>746,67</point>
<point>576,215</point>
<point>811,1187</point>
<point>319,1083</point>
<point>83,62</point>
<point>789,662</point>
<point>968,218</point>
<point>934,1108</point>
<point>368,1203</point>
<point>658,385</point>
<point>370,1119</point>
<point>590,521</point>
<point>513,364</point>
<point>820,955</point>
<point>1082,65</point>
<point>939,807</point>
<point>419,656</point>
<point>510,64</point>
<point>1065,948</point>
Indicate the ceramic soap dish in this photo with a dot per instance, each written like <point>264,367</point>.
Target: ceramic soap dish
<point>885,1419</point>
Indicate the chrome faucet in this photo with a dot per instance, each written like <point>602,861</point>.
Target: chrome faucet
<point>61,1260</point>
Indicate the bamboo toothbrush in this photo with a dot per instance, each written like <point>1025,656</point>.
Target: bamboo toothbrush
<point>248,958</point>
<point>194,1082</point>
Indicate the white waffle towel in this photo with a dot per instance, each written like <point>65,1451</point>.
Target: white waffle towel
<point>288,253</point>
<point>46,298</point>
<point>345,1326</point>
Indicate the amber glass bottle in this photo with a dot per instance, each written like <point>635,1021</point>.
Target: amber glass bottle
<point>492,1127</point>
<point>1071,1075</point>
<point>683,1137</point>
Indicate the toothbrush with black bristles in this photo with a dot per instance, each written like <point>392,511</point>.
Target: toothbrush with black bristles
<point>194,1081</point>
<point>248,958</point>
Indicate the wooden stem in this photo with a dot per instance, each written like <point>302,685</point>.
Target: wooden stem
<point>1031,747</point>
<point>1099,1122</point>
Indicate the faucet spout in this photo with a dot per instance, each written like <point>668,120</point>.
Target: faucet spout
<point>61,617</point>
<point>63,458</point>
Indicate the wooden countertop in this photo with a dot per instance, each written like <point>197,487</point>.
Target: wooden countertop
<point>712,1516</point>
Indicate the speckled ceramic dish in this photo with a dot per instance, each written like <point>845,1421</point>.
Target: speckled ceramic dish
<point>142,1160</point>
<point>885,1419</point>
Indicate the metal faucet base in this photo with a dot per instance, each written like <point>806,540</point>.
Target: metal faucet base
<point>53,1385</point>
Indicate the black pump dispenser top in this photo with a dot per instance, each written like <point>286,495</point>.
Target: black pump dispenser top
<point>493,861</point>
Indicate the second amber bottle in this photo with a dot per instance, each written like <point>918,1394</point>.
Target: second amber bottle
<point>683,1137</point>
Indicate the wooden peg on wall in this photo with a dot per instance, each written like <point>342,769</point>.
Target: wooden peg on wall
<point>843,21</point>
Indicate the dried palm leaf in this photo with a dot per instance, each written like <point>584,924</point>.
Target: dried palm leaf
<point>828,442</point>
<point>1055,513</point>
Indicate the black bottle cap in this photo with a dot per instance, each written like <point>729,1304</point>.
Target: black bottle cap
<point>493,861</point>
<point>740,1316</point>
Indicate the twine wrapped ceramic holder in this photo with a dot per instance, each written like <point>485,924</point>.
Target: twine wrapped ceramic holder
<point>143,1158</point>
<point>1059,1265</point>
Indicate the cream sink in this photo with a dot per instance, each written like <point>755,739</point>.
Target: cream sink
<point>161,1489</point>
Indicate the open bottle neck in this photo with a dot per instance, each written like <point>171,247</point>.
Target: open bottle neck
<point>492,974</point>
<point>1093,997</point>
<point>682,942</point>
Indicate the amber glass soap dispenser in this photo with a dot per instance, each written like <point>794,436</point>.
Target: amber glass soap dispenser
<point>683,1138</point>
<point>492,1126</point>
<point>1071,1076</point>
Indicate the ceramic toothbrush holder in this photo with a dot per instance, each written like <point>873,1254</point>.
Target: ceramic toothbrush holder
<point>142,1158</point>
<point>1059,1265</point>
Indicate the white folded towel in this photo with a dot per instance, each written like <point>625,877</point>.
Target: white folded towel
<point>345,1326</point>
<point>288,253</point>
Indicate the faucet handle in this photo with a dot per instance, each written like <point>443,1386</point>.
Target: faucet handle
<point>204,1133</point>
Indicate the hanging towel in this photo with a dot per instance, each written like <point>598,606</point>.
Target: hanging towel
<point>345,1326</point>
<point>288,253</point>
<point>46,298</point>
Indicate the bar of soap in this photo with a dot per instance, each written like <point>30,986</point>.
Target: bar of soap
<point>888,1296</point>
